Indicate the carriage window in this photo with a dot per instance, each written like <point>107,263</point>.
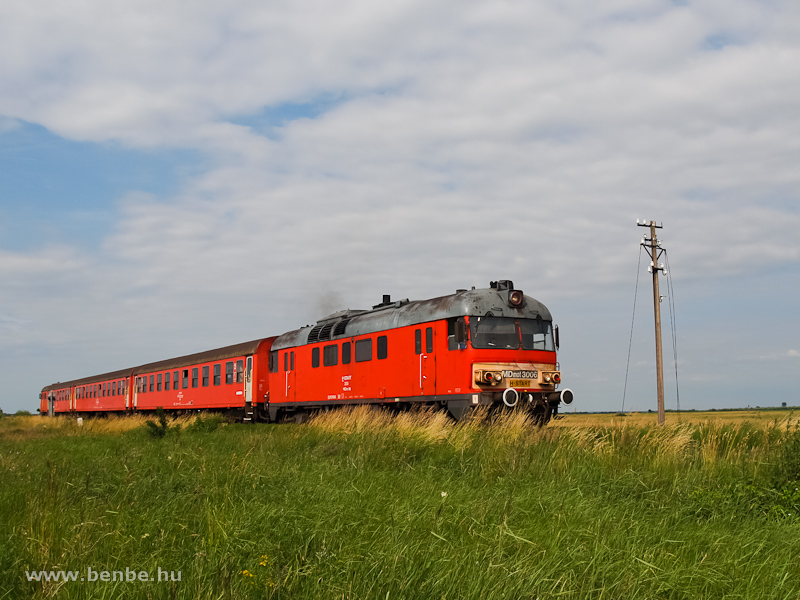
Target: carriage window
<point>175,379</point>
<point>346,353</point>
<point>217,374</point>
<point>159,378</point>
<point>113,388</point>
<point>418,341</point>
<point>194,377</point>
<point>205,376</point>
<point>239,371</point>
<point>273,362</point>
<point>429,340</point>
<point>383,347</point>
<point>330,355</point>
<point>166,381</point>
<point>152,383</point>
<point>315,357</point>
<point>186,379</point>
<point>285,361</point>
<point>291,360</point>
<point>364,350</point>
<point>228,372</point>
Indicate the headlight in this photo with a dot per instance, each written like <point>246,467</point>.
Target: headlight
<point>488,377</point>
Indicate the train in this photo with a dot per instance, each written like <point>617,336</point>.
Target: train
<point>492,347</point>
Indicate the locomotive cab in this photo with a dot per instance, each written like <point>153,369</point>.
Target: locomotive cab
<point>517,361</point>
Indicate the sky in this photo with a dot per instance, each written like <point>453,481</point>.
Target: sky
<point>176,177</point>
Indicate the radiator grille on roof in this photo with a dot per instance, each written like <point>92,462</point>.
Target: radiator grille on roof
<point>313,335</point>
<point>320,333</point>
<point>340,327</point>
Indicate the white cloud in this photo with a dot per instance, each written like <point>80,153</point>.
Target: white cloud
<point>466,142</point>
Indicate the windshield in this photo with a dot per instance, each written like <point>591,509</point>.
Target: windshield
<point>506,333</point>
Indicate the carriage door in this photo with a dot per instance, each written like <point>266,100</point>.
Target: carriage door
<point>288,375</point>
<point>248,381</point>
<point>51,405</point>
<point>425,382</point>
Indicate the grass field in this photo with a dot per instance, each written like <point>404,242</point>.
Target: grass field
<point>356,504</point>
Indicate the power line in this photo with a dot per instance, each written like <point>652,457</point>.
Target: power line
<point>633,317</point>
<point>673,326</point>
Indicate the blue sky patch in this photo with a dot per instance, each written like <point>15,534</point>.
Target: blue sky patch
<point>718,41</point>
<point>61,190</point>
<point>272,118</point>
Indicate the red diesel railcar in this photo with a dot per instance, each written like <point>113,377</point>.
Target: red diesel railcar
<point>487,347</point>
<point>491,347</point>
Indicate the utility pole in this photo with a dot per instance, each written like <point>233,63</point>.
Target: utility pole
<point>654,249</point>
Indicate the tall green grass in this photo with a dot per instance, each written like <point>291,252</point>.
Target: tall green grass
<point>360,504</point>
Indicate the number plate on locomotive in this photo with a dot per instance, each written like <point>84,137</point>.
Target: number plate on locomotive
<point>521,374</point>
<point>523,383</point>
